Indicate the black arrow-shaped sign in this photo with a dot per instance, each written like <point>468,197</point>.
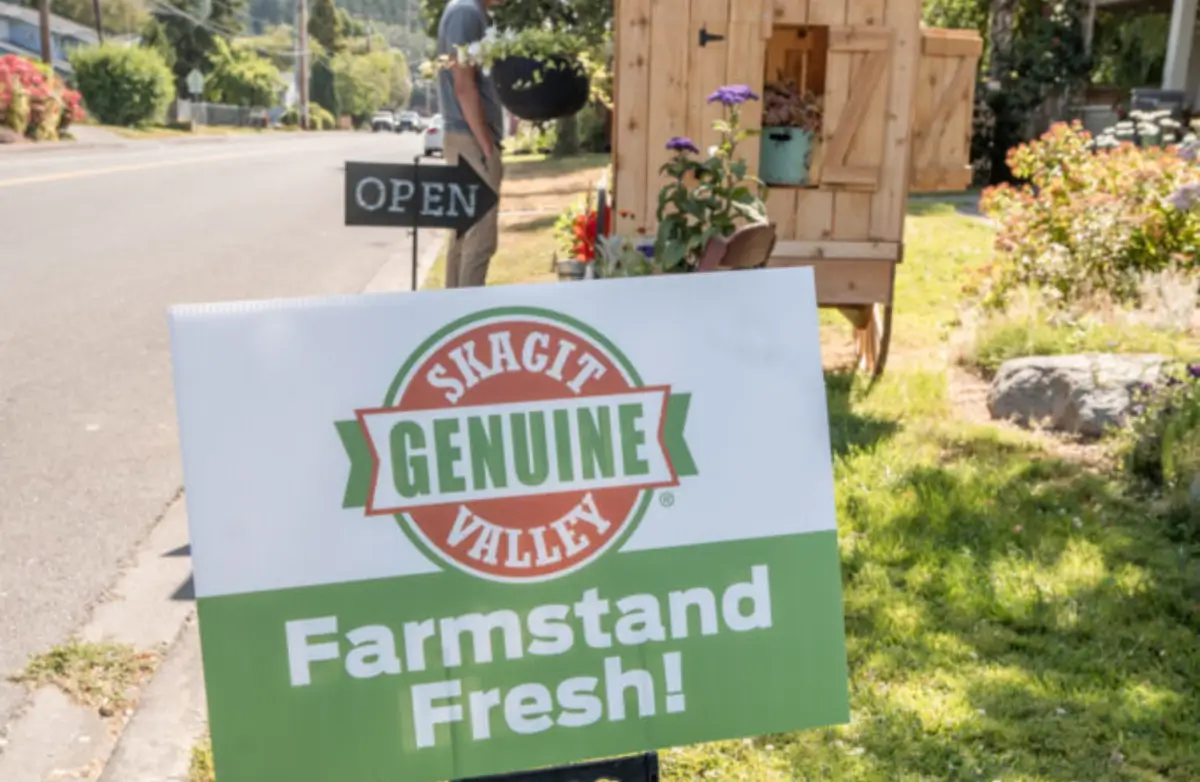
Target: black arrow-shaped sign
<point>417,196</point>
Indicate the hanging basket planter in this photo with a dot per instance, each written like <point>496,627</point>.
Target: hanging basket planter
<point>539,90</point>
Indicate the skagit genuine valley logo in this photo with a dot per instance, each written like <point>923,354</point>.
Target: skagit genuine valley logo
<point>517,444</point>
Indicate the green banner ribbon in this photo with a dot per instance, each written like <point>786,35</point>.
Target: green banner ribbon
<point>362,460</point>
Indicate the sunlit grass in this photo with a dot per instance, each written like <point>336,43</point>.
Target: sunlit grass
<point>1010,615</point>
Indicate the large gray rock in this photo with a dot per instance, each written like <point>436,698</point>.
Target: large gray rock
<point>1082,394</point>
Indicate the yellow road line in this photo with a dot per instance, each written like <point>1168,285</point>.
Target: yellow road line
<point>88,172</point>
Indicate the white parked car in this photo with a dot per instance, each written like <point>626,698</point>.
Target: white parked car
<point>383,120</point>
<point>435,138</point>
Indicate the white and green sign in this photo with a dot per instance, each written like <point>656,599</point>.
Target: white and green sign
<point>459,533</point>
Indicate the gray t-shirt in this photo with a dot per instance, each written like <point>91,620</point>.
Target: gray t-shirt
<point>464,22</point>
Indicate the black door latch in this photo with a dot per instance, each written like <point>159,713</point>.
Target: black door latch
<point>706,36</point>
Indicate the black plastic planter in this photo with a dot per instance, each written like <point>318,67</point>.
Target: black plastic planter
<point>561,90</point>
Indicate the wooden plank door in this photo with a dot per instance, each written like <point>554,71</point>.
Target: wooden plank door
<point>708,41</point>
<point>631,162</point>
<point>944,109</point>
<point>856,104</point>
<point>749,30</point>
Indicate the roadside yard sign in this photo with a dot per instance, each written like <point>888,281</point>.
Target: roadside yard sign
<point>417,196</point>
<point>484,530</point>
<point>195,82</point>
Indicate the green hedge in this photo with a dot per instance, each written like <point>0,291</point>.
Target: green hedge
<point>123,85</point>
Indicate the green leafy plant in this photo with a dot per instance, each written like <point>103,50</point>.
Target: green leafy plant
<point>1162,443</point>
<point>786,105</point>
<point>1088,221</point>
<point>710,197</point>
<point>620,256</point>
<point>553,48</point>
<point>320,119</point>
<point>123,85</point>
<point>241,78</point>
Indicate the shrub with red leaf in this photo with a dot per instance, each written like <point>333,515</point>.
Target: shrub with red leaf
<point>1088,221</point>
<point>34,101</point>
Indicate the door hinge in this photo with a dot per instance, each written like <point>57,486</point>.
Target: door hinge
<point>706,36</point>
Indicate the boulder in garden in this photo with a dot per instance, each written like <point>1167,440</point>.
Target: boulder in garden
<point>1080,394</point>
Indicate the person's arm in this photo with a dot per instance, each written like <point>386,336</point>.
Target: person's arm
<point>464,28</point>
<point>466,88</point>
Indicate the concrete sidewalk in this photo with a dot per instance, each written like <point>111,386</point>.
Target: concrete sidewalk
<point>92,137</point>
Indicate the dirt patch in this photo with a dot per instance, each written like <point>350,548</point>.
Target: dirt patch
<point>551,193</point>
<point>103,676</point>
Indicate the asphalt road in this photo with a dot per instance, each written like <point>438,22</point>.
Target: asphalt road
<point>94,247</point>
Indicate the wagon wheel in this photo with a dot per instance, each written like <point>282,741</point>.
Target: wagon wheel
<point>873,338</point>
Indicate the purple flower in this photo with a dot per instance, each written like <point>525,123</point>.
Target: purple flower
<point>1186,197</point>
<point>1194,371</point>
<point>1189,149</point>
<point>682,144</point>
<point>733,95</point>
<point>647,250</point>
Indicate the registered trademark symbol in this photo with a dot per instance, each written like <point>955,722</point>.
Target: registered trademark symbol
<point>666,499</point>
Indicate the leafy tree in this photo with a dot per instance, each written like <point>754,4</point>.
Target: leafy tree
<point>322,88</point>
<point>154,36</point>
<point>194,41</point>
<point>350,25</point>
<point>363,82</point>
<point>241,78</point>
<point>1130,47</point>
<point>417,47</point>
<point>589,18</point>
<point>325,25</point>
<point>117,16</point>
<point>400,93</point>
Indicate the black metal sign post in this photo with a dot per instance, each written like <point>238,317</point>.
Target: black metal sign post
<point>637,768</point>
<point>417,196</point>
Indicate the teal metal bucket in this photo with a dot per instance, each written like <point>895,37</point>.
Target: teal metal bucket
<point>785,154</point>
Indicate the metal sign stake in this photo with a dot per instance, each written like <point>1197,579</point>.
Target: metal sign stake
<point>636,768</point>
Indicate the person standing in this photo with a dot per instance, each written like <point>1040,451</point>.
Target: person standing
<point>474,126</point>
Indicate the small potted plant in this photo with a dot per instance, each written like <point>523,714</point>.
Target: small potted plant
<point>791,125</point>
<point>541,73</point>
<point>577,231</point>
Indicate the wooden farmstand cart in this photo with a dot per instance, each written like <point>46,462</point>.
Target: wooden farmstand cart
<point>898,102</point>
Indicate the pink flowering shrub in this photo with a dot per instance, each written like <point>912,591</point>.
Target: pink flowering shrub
<point>1090,221</point>
<point>34,101</point>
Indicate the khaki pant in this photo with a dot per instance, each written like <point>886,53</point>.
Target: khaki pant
<point>468,256</point>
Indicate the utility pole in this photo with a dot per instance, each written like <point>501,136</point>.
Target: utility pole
<point>99,26</point>
<point>302,24</point>
<point>44,20</point>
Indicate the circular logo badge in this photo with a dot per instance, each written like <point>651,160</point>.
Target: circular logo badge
<point>517,445</point>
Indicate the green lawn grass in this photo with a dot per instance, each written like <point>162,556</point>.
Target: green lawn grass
<point>1032,336</point>
<point>1010,615</point>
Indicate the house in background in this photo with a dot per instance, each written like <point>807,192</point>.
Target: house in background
<point>1178,89</point>
<point>20,33</point>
